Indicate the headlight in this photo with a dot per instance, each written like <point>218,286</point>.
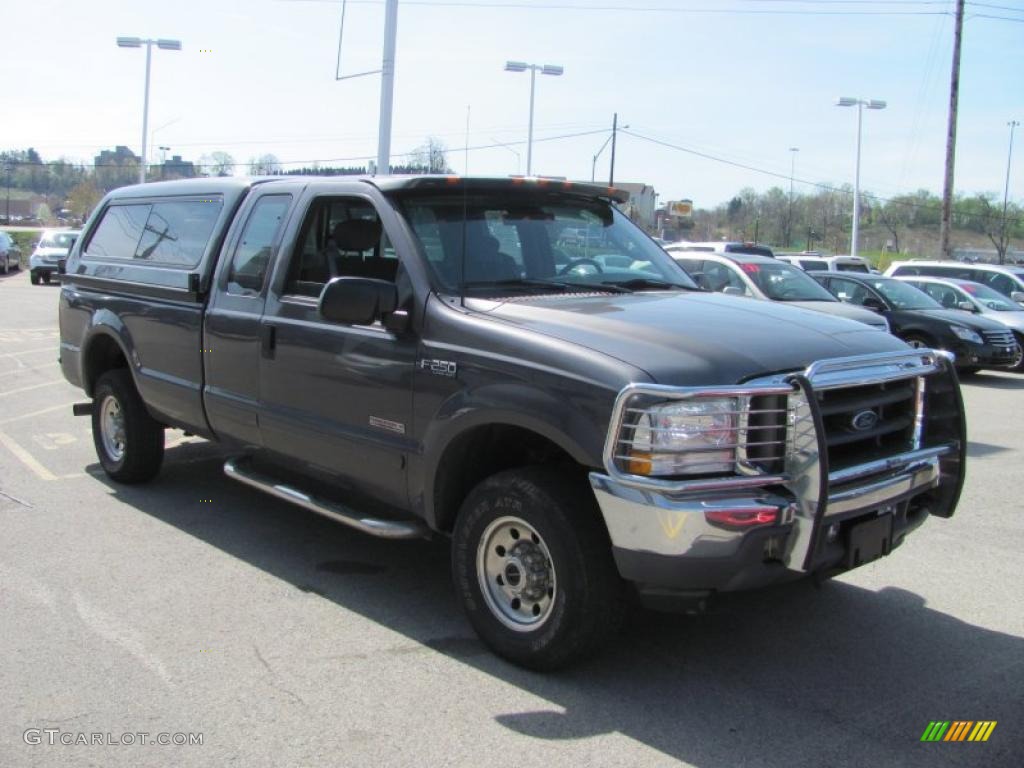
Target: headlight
<point>693,437</point>
<point>966,334</point>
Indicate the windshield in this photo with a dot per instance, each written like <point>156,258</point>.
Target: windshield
<point>902,295</point>
<point>484,243</point>
<point>784,282</point>
<point>59,240</point>
<point>989,298</point>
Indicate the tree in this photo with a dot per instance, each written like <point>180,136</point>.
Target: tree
<point>217,164</point>
<point>83,198</point>
<point>431,156</point>
<point>265,165</point>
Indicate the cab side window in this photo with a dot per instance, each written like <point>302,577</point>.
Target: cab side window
<point>849,291</point>
<point>341,237</point>
<point>254,251</point>
<point>998,282</point>
<point>719,277</point>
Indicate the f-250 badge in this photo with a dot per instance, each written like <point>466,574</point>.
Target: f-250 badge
<point>439,367</point>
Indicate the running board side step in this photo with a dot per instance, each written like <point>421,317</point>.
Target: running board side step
<point>242,471</point>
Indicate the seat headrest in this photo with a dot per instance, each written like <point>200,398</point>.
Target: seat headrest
<point>356,234</point>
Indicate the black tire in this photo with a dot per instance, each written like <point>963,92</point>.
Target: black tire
<point>141,438</point>
<point>967,371</point>
<point>46,277</point>
<point>588,598</point>
<point>34,277</point>
<point>7,267</point>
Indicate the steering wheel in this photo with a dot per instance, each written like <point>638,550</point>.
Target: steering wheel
<point>581,262</point>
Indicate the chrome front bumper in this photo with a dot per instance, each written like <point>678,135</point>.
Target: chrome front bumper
<point>668,522</point>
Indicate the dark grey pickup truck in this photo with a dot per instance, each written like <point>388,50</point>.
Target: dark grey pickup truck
<point>438,356</point>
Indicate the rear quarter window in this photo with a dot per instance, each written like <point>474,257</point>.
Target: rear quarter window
<point>169,233</point>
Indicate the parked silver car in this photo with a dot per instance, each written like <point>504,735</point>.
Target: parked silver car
<point>10,253</point>
<point>53,246</point>
<point>768,279</point>
<point>970,296</point>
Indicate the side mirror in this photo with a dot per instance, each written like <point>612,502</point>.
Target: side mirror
<point>875,305</point>
<point>1017,296</point>
<point>357,300</point>
<point>966,306</point>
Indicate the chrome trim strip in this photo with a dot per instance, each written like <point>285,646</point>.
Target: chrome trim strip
<point>889,464</point>
<point>916,477</point>
<point>919,399</point>
<point>862,370</point>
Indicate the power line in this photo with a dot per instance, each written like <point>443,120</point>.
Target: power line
<point>786,177</point>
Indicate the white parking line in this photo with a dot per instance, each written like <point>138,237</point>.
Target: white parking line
<point>25,369</point>
<point>42,412</point>
<point>30,351</point>
<point>34,386</point>
<point>26,458</point>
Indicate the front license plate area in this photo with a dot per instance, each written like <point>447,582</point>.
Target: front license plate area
<point>869,541</point>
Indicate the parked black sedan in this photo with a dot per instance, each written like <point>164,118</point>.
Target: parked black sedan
<point>921,321</point>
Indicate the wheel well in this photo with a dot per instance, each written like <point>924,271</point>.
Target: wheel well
<point>483,451</point>
<point>104,354</point>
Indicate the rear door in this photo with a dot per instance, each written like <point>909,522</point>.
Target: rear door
<point>231,346</point>
<point>333,396</point>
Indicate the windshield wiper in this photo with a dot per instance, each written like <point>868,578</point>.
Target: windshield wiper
<point>639,283</point>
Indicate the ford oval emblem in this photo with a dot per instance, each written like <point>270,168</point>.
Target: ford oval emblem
<point>864,420</point>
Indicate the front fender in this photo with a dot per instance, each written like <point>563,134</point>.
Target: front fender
<point>576,421</point>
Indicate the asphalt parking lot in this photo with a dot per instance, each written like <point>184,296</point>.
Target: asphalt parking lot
<point>197,606</point>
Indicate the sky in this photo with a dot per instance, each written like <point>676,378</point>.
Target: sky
<point>740,80</point>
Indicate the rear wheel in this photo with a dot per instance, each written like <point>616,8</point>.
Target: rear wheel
<point>46,277</point>
<point>129,442</point>
<point>532,564</point>
<point>34,277</point>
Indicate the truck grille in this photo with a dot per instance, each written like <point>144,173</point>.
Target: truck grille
<point>869,422</point>
<point>1001,338</point>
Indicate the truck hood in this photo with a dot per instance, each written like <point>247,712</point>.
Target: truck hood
<point>839,309</point>
<point>692,339</point>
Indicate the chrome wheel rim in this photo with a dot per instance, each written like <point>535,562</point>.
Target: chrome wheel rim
<point>112,428</point>
<point>516,574</point>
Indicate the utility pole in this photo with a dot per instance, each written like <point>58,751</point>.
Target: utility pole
<point>1006,195</point>
<point>945,248</point>
<point>792,173</point>
<point>615,130</point>
<point>387,87</point>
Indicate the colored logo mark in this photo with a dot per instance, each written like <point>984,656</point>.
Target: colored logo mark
<point>958,730</point>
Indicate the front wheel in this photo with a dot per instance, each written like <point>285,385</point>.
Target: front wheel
<point>129,442</point>
<point>532,564</point>
<point>34,277</point>
<point>917,342</point>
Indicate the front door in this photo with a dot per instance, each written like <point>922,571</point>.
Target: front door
<point>338,397</point>
<point>231,337</point>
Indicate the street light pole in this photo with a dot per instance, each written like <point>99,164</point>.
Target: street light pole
<point>8,168</point>
<point>611,139</point>
<point>792,174</point>
<point>137,42</point>
<point>387,87</point>
<point>1006,188</point>
<point>849,101</point>
<point>545,69</point>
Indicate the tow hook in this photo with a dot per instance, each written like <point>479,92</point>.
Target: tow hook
<point>82,409</point>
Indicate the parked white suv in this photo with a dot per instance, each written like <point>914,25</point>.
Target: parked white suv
<point>1004,278</point>
<point>818,263</point>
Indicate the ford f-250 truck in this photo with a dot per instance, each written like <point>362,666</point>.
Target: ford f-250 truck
<point>429,356</point>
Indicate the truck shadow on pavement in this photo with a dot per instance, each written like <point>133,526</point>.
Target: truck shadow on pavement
<point>795,676</point>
